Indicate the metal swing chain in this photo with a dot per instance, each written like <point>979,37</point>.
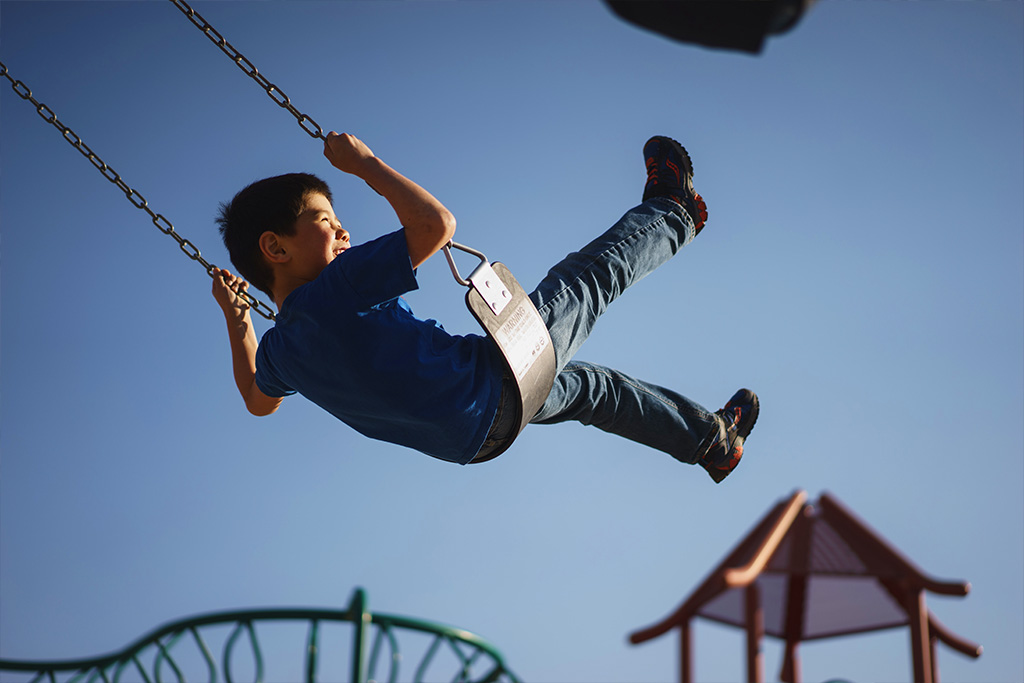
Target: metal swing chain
<point>136,199</point>
<point>275,93</point>
<point>306,122</point>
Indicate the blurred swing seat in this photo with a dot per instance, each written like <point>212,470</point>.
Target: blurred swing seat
<point>742,25</point>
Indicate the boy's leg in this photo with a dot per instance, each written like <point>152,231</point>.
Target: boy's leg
<point>653,416</point>
<point>636,410</point>
<point>579,289</point>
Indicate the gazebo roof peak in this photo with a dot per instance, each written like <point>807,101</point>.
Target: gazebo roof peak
<point>819,571</point>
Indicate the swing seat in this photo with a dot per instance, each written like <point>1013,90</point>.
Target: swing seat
<point>508,316</point>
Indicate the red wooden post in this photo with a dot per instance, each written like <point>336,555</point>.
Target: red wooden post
<point>755,630</point>
<point>920,644</point>
<point>791,664</point>
<point>685,653</point>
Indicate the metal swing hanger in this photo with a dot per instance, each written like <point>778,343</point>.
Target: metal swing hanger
<point>133,196</point>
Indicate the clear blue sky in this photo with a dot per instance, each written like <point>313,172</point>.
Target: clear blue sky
<point>861,270</point>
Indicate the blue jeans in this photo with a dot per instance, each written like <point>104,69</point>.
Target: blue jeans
<point>573,296</point>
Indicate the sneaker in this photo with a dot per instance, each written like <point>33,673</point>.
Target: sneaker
<point>735,421</point>
<point>670,174</point>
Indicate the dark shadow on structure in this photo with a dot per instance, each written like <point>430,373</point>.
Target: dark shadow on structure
<point>808,572</point>
<point>727,24</point>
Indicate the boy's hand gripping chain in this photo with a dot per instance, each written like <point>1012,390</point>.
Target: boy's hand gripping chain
<point>137,200</point>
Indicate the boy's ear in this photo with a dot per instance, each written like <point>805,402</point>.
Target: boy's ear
<point>272,248</point>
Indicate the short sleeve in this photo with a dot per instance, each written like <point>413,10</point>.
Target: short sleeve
<point>376,271</point>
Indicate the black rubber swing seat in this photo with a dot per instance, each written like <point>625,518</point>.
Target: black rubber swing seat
<point>508,316</point>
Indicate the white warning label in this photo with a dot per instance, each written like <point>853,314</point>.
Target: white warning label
<point>522,336</point>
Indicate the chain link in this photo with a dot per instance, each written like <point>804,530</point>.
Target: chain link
<point>276,94</point>
<point>133,196</point>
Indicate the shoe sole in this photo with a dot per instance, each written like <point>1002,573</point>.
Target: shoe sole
<point>744,428</point>
<point>687,162</point>
<point>698,202</point>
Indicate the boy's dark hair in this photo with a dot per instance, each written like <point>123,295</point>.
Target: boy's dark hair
<point>270,204</point>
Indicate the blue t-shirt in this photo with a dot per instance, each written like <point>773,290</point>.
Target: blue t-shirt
<point>350,344</point>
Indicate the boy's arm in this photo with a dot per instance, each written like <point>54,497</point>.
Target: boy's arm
<point>428,224</point>
<point>243,342</point>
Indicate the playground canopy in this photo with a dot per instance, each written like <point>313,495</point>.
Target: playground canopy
<point>813,571</point>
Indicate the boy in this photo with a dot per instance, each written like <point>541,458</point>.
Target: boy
<point>346,340</point>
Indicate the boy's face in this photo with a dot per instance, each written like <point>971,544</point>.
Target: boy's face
<point>318,238</point>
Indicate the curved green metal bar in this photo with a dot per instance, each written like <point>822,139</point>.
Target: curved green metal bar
<point>165,656</point>
<point>311,650</point>
<point>211,664</point>
<point>384,635</point>
<point>358,614</point>
<point>428,658</point>
<point>109,668</point>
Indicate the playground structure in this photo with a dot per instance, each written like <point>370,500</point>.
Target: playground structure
<point>186,650</point>
<point>813,571</point>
